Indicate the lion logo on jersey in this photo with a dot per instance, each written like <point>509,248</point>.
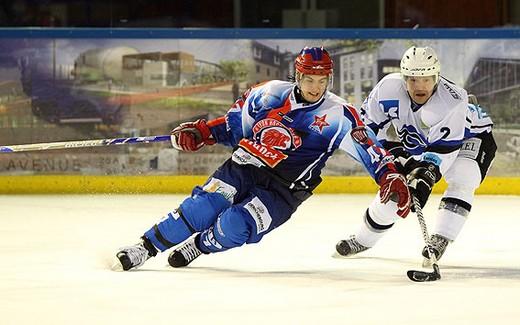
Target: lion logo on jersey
<point>274,134</point>
<point>413,141</point>
<point>277,138</point>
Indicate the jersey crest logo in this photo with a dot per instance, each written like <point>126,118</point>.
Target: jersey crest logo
<point>276,138</point>
<point>274,134</point>
<point>319,123</point>
<point>412,140</point>
<point>390,107</point>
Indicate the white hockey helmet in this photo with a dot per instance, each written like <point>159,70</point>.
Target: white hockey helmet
<point>420,62</point>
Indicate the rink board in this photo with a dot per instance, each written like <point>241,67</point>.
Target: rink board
<point>77,184</point>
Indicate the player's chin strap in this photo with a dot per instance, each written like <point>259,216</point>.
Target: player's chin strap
<point>421,276</point>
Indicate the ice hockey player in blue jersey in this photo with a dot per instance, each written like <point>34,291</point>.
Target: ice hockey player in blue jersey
<point>428,125</point>
<point>282,134</point>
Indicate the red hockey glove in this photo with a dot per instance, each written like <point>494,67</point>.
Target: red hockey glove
<point>191,136</point>
<point>394,184</point>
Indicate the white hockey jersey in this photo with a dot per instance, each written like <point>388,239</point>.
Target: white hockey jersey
<point>431,132</point>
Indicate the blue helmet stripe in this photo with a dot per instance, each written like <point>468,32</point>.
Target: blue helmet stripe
<point>315,52</point>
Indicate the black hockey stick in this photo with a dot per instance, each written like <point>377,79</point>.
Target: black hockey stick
<point>422,276</point>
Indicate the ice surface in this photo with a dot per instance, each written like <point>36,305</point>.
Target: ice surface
<point>55,253</point>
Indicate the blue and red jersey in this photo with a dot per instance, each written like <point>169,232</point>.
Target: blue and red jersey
<point>273,130</point>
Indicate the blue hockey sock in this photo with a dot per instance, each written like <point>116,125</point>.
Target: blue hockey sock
<point>173,229</point>
<point>230,230</point>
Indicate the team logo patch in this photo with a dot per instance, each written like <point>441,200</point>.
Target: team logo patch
<point>360,135</point>
<point>272,133</point>
<point>270,139</point>
<point>217,186</point>
<point>412,140</point>
<point>390,107</point>
<point>319,123</point>
<point>259,212</point>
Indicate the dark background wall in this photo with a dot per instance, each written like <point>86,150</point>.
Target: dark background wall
<point>260,13</point>
<point>448,13</point>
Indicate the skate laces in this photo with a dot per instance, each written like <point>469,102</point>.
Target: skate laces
<point>439,243</point>
<point>137,254</point>
<point>355,246</point>
<point>189,251</point>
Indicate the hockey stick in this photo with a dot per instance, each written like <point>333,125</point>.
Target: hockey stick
<point>82,143</point>
<point>422,276</point>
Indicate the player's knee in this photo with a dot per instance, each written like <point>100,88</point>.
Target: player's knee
<point>464,175</point>
<point>231,229</point>
<point>202,208</point>
<point>460,191</point>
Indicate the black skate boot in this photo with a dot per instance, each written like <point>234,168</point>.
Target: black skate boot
<point>185,253</point>
<point>131,257</point>
<point>439,244</point>
<point>349,247</point>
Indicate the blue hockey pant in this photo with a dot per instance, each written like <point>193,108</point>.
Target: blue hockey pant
<point>237,204</point>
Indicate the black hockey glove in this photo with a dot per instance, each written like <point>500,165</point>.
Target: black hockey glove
<point>401,156</point>
<point>421,180</point>
<point>397,149</point>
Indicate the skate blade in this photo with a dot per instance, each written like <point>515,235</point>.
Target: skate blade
<point>339,256</point>
<point>116,265</point>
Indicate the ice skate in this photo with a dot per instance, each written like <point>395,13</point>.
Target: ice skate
<point>131,257</point>
<point>184,254</point>
<point>349,247</point>
<point>439,244</point>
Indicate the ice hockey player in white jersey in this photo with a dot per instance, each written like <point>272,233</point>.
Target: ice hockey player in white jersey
<point>427,123</point>
<point>282,134</point>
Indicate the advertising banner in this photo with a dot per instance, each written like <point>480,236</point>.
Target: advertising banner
<point>74,89</point>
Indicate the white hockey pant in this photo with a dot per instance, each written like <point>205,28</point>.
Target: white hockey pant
<point>463,178</point>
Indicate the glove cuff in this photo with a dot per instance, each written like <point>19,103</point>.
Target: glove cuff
<point>205,131</point>
<point>386,167</point>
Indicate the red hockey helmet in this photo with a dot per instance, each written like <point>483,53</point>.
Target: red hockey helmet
<point>313,60</point>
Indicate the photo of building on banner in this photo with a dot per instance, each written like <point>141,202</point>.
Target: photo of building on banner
<point>79,89</point>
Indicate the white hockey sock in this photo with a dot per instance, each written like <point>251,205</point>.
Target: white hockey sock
<point>382,217</point>
<point>449,224</point>
<point>367,237</point>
